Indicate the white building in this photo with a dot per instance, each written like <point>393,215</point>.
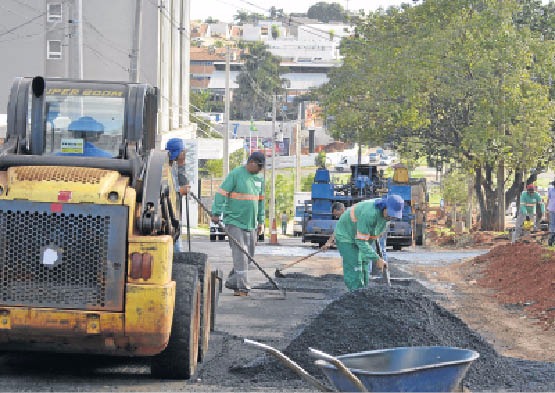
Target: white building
<point>46,37</point>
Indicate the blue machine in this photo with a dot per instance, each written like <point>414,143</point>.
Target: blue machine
<point>319,223</point>
<point>411,227</point>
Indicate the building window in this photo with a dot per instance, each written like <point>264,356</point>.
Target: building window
<point>54,12</point>
<point>54,49</point>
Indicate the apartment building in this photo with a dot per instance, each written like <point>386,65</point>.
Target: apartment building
<point>95,40</point>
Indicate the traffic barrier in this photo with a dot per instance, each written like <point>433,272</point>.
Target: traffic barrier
<point>273,233</point>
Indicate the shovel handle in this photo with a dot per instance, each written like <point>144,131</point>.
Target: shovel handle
<point>290,364</point>
<point>301,259</point>
<point>340,366</point>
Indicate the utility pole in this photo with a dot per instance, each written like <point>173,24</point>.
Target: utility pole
<point>273,185</point>
<point>501,196</point>
<point>298,150</point>
<point>185,47</point>
<point>226,129</point>
<point>136,44</point>
<point>76,41</point>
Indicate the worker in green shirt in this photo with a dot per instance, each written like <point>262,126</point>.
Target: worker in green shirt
<point>240,199</point>
<point>356,232</point>
<point>527,212</point>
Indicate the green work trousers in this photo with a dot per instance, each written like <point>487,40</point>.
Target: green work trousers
<point>355,271</point>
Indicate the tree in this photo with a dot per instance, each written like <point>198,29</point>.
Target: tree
<point>276,13</point>
<point>216,167</point>
<point>200,102</point>
<point>258,81</point>
<point>320,160</point>
<point>453,80</point>
<point>243,17</point>
<point>275,31</point>
<point>326,12</point>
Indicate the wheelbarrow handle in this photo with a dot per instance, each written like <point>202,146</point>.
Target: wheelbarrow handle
<point>290,364</point>
<point>340,366</point>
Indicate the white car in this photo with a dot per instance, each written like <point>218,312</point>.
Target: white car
<point>217,231</point>
<point>386,160</point>
<point>297,226</point>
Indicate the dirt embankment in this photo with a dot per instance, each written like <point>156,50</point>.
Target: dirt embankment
<point>521,274</point>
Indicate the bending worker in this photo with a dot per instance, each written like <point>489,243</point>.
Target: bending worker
<point>357,231</point>
<point>528,200</point>
<point>241,200</point>
<point>337,210</point>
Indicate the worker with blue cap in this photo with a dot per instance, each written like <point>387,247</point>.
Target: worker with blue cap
<point>356,233</point>
<point>176,150</point>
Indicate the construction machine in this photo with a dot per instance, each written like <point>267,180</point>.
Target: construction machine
<point>412,226</point>
<point>89,214</point>
<point>365,182</point>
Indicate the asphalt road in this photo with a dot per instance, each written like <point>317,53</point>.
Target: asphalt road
<point>267,315</point>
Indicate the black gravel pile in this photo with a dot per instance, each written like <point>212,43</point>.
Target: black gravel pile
<point>379,317</point>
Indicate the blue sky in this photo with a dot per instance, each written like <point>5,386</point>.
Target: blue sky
<point>225,9</point>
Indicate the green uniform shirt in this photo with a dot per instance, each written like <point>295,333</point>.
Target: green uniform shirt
<point>528,203</point>
<point>359,224</point>
<point>241,199</point>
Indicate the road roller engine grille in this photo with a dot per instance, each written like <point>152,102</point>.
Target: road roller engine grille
<point>62,255</point>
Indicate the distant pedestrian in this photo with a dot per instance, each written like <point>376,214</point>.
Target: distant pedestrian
<point>551,212</point>
<point>357,231</point>
<point>526,219</point>
<point>284,219</point>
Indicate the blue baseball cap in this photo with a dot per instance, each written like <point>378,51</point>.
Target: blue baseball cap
<point>174,146</point>
<point>394,204</point>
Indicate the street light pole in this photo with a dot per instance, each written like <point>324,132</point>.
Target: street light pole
<point>227,117</point>
<point>273,185</point>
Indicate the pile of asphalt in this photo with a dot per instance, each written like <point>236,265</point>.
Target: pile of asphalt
<point>379,317</point>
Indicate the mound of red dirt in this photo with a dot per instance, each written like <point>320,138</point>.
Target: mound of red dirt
<point>522,274</point>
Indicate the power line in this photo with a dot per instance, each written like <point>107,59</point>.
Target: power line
<point>15,38</point>
<point>108,41</point>
<point>99,55</point>
<point>21,24</point>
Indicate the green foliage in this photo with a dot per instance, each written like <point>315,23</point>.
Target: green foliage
<point>243,17</point>
<point>284,193</point>
<point>200,102</point>
<point>455,189</point>
<point>454,81</point>
<point>306,183</point>
<point>320,160</point>
<point>275,31</point>
<point>258,81</point>
<point>326,12</point>
<point>216,167</point>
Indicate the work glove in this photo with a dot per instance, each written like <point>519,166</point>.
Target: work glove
<point>380,263</point>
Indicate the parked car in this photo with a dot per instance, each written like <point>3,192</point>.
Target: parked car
<point>374,158</point>
<point>217,231</point>
<point>386,160</point>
